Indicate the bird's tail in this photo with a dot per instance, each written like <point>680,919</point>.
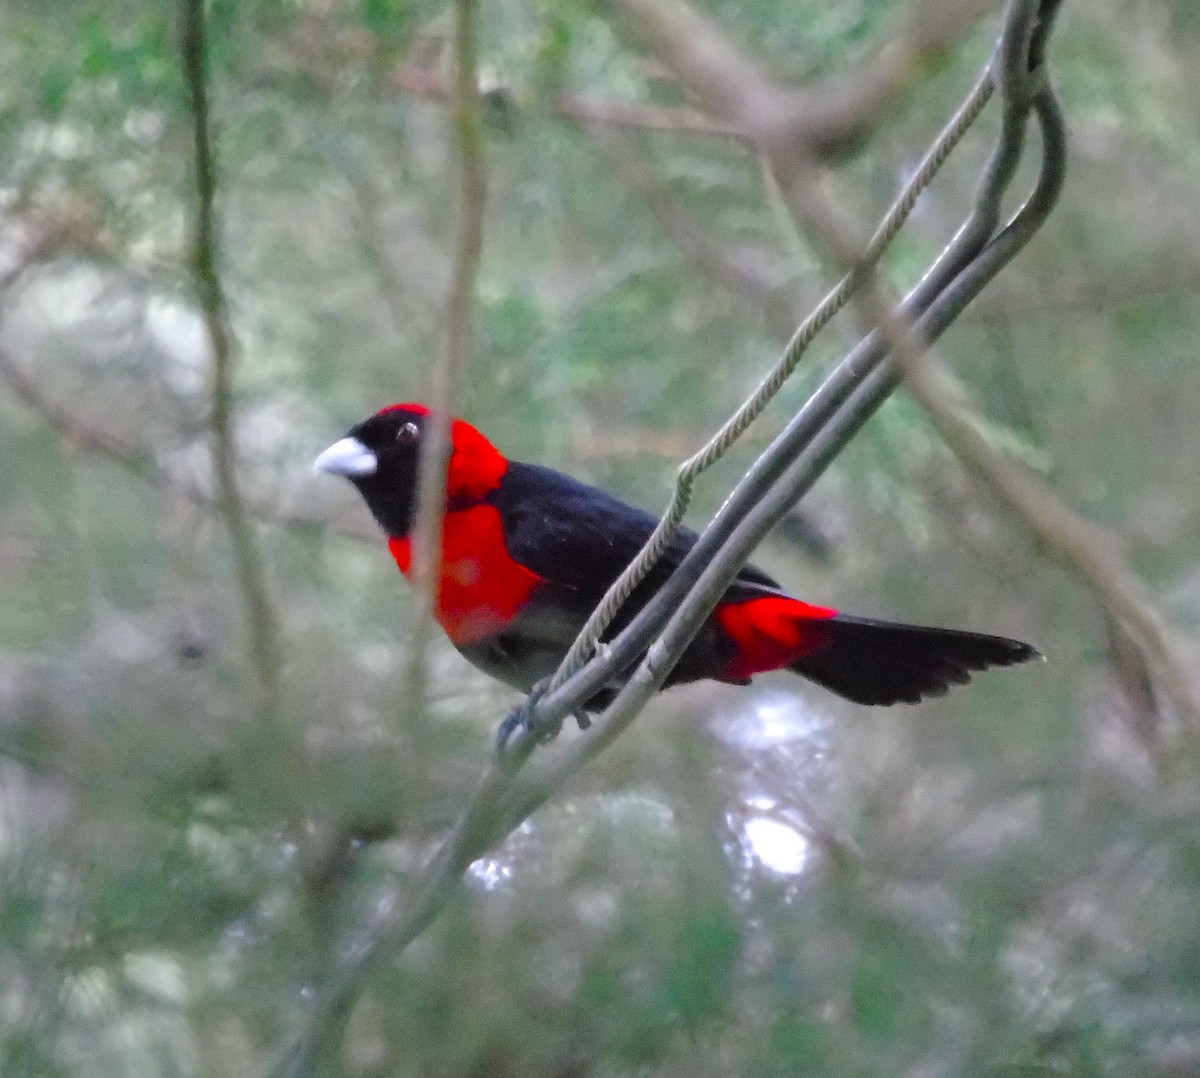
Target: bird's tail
<point>882,662</point>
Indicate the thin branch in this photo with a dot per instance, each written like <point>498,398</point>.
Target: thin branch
<point>323,1026</point>
<point>1072,540</point>
<point>1084,549</point>
<point>822,123</point>
<point>741,101</point>
<point>576,108</point>
<point>264,641</point>
<point>80,432</point>
<point>451,369</point>
<point>689,234</point>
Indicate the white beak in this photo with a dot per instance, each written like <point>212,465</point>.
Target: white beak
<point>348,457</point>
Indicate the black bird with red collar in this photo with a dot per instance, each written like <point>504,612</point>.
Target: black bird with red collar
<point>528,552</point>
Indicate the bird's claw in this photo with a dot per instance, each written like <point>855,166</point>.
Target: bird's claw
<point>522,719</point>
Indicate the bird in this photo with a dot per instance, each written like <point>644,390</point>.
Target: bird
<point>528,552</point>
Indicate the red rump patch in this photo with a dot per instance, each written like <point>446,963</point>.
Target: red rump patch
<point>481,587</point>
<point>771,633</point>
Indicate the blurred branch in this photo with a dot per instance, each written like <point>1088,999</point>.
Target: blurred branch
<point>821,123</point>
<point>73,230</point>
<point>264,642</point>
<point>1080,546</point>
<point>1133,701</point>
<point>450,372</point>
<point>476,828</point>
<point>1072,540</point>
<point>1179,279</point>
<point>81,433</point>
<point>369,231</point>
<point>689,234</point>
<point>740,100</point>
<point>78,431</point>
<point>44,235</point>
<point>575,108</point>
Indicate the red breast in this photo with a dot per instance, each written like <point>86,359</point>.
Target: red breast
<point>480,588</point>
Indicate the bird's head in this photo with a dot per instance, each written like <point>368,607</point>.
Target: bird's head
<point>380,456</point>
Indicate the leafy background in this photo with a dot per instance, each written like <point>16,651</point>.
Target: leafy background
<point>762,882</point>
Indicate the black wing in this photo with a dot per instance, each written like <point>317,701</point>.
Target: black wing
<point>581,538</point>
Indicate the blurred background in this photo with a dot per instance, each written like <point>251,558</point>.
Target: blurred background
<point>751,882</point>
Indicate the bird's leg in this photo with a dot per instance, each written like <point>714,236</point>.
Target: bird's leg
<point>522,718</point>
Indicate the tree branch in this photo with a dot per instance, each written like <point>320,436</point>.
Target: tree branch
<point>741,101</point>
<point>1082,548</point>
<point>323,1026</point>
<point>451,369</point>
<point>822,123</point>
<point>1072,540</point>
<point>81,433</point>
<point>689,234</point>
<point>587,111</point>
<point>264,642</point>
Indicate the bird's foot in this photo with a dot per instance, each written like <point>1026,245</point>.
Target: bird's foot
<point>522,719</point>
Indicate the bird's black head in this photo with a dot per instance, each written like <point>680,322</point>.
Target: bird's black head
<point>380,456</point>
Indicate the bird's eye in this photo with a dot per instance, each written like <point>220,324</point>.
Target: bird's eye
<point>408,434</point>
